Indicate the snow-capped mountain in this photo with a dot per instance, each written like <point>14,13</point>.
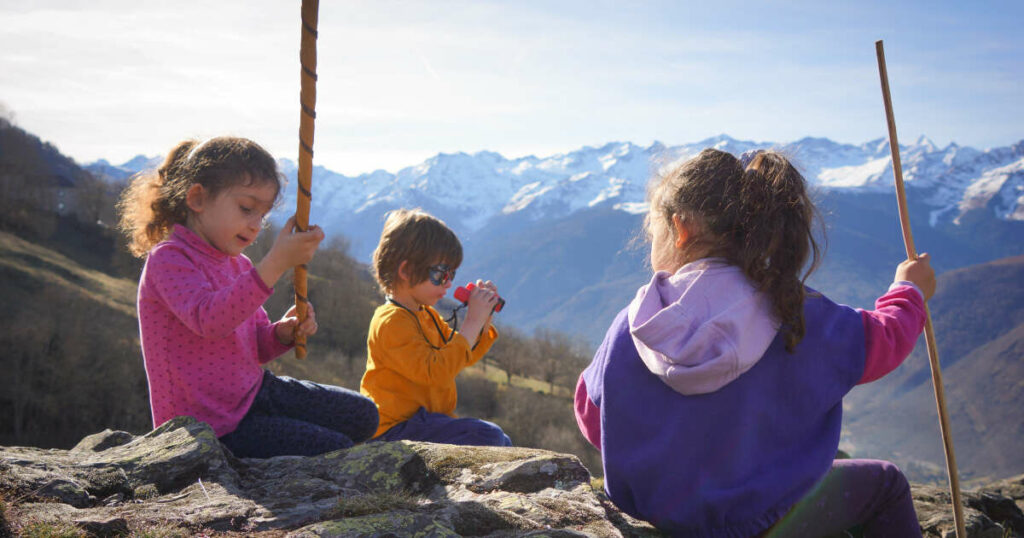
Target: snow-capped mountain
<point>469,191</point>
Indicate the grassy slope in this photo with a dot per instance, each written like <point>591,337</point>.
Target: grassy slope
<point>978,315</point>
<point>70,349</point>
<point>28,262</point>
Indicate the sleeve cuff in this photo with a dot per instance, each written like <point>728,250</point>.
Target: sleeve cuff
<point>899,283</point>
<point>273,347</point>
<point>259,282</point>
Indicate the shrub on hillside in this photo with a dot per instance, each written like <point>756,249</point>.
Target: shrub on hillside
<point>544,421</point>
<point>478,396</point>
<point>68,371</point>
<point>340,288</point>
<point>529,418</point>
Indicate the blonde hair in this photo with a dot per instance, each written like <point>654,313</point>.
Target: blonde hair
<point>417,238</point>
<point>156,199</point>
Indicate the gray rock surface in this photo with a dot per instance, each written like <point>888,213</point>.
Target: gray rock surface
<point>180,477</point>
<point>178,480</point>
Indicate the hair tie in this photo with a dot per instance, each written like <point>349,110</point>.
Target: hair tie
<point>195,149</point>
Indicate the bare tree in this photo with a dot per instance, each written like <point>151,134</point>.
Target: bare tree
<point>554,354</point>
<point>510,353</point>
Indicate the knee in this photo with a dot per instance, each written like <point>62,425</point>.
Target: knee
<point>894,472</point>
<point>894,478</point>
<point>372,420</point>
<point>492,435</point>
<point>367,408</point>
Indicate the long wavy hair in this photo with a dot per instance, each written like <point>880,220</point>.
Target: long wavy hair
<point>155,200</point>
<point>758,217</point>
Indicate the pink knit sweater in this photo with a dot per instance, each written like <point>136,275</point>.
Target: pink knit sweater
<point>204,331</point>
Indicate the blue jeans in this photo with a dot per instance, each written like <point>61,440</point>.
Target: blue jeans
<point>291,417</point>
<point>441,428</point>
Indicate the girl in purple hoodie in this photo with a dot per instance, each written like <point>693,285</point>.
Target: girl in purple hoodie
<point>716,396</point>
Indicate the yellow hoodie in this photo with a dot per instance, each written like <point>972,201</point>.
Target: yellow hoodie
<point>409,366</point>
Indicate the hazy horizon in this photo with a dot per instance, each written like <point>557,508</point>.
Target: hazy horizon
<point>401,82</point>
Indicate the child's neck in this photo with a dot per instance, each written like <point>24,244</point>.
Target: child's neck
<point>192,224</point>
<point>405,298</point>
<point>692,252</point>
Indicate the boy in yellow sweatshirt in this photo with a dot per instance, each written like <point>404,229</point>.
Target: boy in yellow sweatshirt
<point>413,355</point>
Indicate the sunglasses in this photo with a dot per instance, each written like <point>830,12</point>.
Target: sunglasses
<point>440,274</point>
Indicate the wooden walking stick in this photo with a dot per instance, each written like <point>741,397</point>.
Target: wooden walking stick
<point>929,331</point>
<point>307,98</point>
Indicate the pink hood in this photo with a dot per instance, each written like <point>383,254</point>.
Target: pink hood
<point>702,327</point>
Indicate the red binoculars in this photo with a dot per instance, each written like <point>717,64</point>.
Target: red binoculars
<point>462,294</point>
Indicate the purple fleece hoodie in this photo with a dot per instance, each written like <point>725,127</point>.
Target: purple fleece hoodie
<point>707,426</point>
<point>701,327</point>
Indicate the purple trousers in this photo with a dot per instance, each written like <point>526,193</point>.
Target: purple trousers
<point>441,428</point>
<point>871,494</point>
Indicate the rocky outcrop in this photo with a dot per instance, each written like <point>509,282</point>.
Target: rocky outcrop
<point>179,480</point>
<point>180,476</point>
<point>988,514</point>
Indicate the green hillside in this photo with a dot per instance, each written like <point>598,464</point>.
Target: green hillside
<point>978,315</point>
<point>69,349</point>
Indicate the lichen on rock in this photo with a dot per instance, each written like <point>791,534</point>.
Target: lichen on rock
<point>180,479</point>
<point>179,475</point>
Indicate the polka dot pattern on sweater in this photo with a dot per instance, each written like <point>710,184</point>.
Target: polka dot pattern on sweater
<point>204,331</point>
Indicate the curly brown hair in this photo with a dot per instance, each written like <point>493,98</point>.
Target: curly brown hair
<point>417,238</point>
<point>759,218</point>
<point>155,200</point>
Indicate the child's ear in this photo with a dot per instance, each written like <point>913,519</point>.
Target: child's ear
<point>682,232</point>
<point>403,271</point>
<point>195,198</point>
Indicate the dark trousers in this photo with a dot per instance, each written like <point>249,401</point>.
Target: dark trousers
<point>871,493</point>
<point>441,428</point>
<point>291,417</point>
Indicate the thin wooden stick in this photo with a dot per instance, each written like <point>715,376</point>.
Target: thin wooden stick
<point>929,331</point>
<point>307,98</point>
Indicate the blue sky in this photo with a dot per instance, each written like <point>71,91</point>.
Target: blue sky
<point>401,81</point>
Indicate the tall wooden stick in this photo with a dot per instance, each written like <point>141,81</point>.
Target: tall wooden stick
<point>307,98</point>
<point>929,331</point>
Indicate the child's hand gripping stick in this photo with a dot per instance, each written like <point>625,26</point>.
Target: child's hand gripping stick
<point>462,294</point>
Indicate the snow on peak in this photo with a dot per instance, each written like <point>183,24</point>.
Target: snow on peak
<point>1000,188</point>
<point>468,190</point>
<point>925,142</point>
<point>871,173</point>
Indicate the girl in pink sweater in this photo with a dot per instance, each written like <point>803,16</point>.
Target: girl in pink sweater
<point>203,329</point>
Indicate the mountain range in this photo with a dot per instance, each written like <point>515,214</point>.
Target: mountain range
<point>560,234</point>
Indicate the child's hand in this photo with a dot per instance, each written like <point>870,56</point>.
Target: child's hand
<point>488,285</point>
<point>483,298</point>
<point>290,248</point>
<point>285,330</point>
<point>919,272</point>
<point>294,247</point>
